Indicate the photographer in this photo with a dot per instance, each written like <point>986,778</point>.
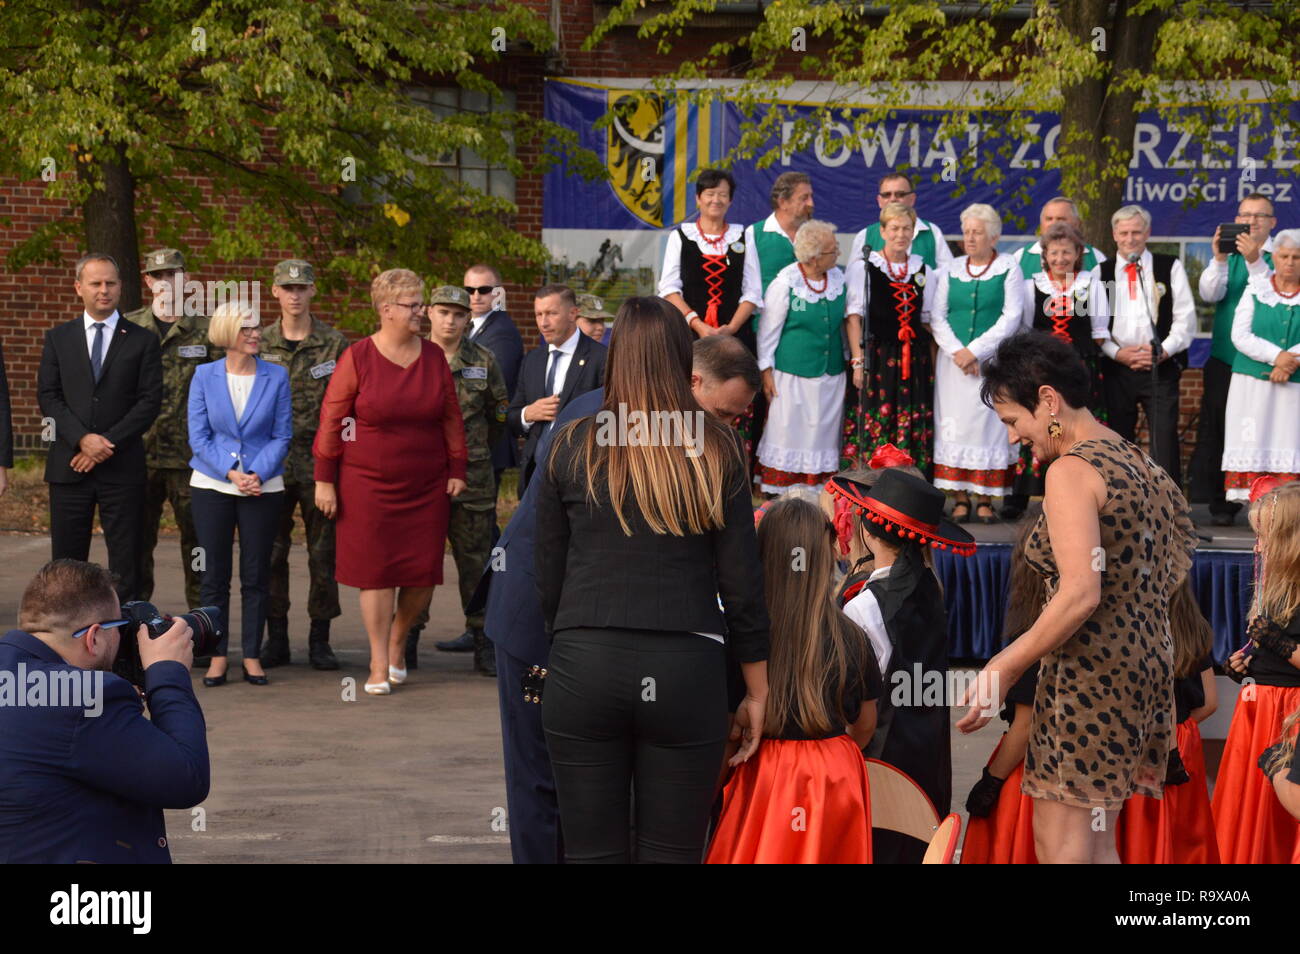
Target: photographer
<point>86,780</point>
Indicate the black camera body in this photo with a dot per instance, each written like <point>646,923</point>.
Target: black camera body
<point>205,627</point>
<point>1228,233</point>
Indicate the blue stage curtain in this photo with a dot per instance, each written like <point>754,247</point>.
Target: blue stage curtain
<point>975,591</point>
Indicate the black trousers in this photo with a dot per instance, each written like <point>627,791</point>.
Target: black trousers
<point>1207,459</point>
<point>121,514</point>
<point>216,516</point>
<point>530,785</point>
<point>635,717</point>
<point>1126,390</point>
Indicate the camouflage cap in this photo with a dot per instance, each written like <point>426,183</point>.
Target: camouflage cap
<point>450,295</point>
<point>590,306</point>
<point>164,260</point>
<point>294,271</point>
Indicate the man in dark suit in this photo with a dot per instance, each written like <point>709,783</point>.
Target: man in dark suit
<point>491,327</point>
<point>100,383</point>
<point>84,776</point>
<point>566,364</point>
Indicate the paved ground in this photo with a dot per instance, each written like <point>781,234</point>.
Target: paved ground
<point>299,774</point>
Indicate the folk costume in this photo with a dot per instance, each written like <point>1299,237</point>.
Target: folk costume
<point>975,309</point>
<point>1001,826</point>
<point>927,242</point>
<point>895,301</point>
<point>802,341</point>
<point>804,799</point>
<point>1178,828</point>
<point>1262,436</point>
<point>1030,259</point>
<point>901,608</point>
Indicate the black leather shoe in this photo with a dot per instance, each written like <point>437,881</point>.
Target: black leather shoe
<point>464,643</point>
<point>413,648</point>
<point>255,680</point>
<point>319,653</point>
<point>1223,519</point>
<point>485,654</point>
<point>275,652</point>
<point>211,681</point>
<point>1010,512</point>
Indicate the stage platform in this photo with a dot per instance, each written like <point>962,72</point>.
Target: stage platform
<point>975,588</point>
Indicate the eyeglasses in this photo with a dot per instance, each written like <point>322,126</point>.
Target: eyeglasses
<point>896,195</point>
<point>250,331</point>
<point>479,289</point>
<point>105,624</point>
<point>417,307</point>
<point>1254,215</point>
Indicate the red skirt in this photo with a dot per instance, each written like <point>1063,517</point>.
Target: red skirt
<point>796,802</point>
<point>1252,825</point>
<point>1006,837</point>
<point>1177,829</point>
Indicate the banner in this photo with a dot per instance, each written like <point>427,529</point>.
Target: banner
<point>607,233</point>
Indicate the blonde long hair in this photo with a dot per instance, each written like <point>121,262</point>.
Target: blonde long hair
<point>1275,518</point>
<point>814,645</point>
<point>648,370</point>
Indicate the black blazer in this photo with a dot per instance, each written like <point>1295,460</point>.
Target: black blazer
<point>591,574</point>
<point>500,336</point>
<point>120,407</point>
<point>586,373</point>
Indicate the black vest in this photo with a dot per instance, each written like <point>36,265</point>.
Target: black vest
<point>1162,270</point>
<point>695,287</point>
<point>1080,326</point>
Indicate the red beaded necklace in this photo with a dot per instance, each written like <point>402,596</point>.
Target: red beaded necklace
<point>982,270</point>
<point>715,243</point>
<point>811,287</point>
<point>1273,279</point>
<point>899,275</point>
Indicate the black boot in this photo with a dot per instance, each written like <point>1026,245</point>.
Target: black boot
<point>485,654</point>
<point>461,644</point>
<point>413,647</point>
<point>318,646</point>
<point>275,651</point>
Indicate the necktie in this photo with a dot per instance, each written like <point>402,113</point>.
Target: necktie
<point>1132,270</point>
<point>550,379</point>
<point>97,351</point>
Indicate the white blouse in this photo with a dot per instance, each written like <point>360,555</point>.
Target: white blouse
<point>1003,268</point>
<point>776,304</point>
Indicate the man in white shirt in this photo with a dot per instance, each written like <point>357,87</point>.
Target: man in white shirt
<point>1222,283</point>
<point>1151,301</point>
<point>1059,208</point>
<point>927,238</point>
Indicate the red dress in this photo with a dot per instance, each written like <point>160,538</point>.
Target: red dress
<point>390,464</point>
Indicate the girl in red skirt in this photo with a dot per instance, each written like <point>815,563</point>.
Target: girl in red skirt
<point>803,798</point>
<point>1178,829</point>
<point>1252,825</point>
<point>1282,769</point>
<point>1001,826</point>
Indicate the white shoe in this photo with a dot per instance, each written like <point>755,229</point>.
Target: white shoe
<point>378,688</point>
<point>396,676</point>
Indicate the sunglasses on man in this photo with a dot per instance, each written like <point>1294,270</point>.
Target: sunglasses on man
<point>479,289</point>
<point>104,624</point>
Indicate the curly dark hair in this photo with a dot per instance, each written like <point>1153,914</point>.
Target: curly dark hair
<point>1025,362</point>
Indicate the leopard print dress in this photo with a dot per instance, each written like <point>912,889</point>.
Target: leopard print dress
<point>1104,710</point>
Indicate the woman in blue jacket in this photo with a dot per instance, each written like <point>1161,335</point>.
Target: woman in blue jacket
<point>240,420</point>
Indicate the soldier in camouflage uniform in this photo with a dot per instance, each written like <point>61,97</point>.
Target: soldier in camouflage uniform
<point>185,346</point>
<point>308,348</point>
<point>484,398</point>
<point>592,318</point>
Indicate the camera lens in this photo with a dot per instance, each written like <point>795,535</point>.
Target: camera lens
<point>206,628</point>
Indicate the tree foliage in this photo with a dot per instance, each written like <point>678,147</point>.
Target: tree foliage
<point>1096,63</point>
<point>310,110</point>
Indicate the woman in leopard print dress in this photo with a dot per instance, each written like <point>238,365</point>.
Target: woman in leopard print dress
<point>1113,542</point>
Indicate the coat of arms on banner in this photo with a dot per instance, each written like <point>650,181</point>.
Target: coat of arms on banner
<point>634,152</point>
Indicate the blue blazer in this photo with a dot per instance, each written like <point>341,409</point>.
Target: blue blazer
<point>513,617</point>
<point>500,336</point>
<point>88,780</point>
<point>255,444</point>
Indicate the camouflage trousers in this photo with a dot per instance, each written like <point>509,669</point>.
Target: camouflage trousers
<point>323,591</point>
<point>470,533</point>
<point>163,485</point>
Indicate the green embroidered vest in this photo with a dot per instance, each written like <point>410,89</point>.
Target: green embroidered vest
<point>1277,323</point>
<point>775,252</point>
<point>1225,308</point>
<point>811,344</point>
<point>975,306</point>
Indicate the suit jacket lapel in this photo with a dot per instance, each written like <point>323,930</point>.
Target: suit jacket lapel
<point>77,340</point>
<point>115,343</point>
<point>577,368</point>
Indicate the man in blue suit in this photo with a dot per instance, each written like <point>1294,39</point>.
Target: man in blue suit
<point>84,776</point>
<point>724,380</point>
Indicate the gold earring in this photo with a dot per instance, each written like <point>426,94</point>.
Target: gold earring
<point>1054,429</point>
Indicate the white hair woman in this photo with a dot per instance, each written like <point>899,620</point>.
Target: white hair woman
<point>977,304</point>
<point>390,455</point>
<point>240,422</point>
<point>897,404</point>
<point>801,356</point>
<point>1265,386</point>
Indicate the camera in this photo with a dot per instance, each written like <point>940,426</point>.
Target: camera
<point>205,628</point>
<point>1228,233</point>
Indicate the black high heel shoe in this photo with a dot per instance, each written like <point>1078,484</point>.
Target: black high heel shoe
<point>210,681</point>
<point>255,680</point>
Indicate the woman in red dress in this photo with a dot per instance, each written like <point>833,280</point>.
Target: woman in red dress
<point>390,455</point>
